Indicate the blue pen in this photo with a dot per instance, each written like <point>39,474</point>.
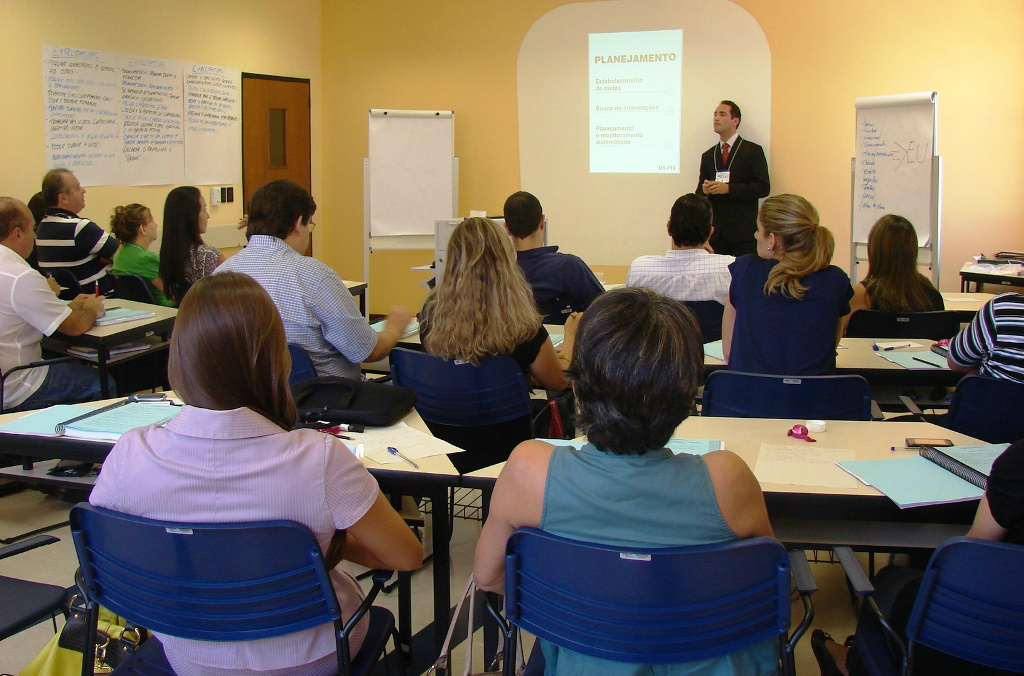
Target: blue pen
<point>394,451</point>
<point>876,348</point>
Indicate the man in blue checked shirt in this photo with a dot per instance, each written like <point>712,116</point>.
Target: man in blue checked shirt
<point>318,311</point>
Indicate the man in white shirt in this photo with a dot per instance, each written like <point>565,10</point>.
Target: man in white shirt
<point>29,310</point>
<point>688,271</point>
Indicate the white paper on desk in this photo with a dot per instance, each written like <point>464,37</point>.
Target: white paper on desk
<point>807,465</point>
<point>412,443</point>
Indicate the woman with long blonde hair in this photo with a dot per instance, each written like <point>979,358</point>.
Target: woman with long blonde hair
<point>483,307</point>
<point>786,304</point>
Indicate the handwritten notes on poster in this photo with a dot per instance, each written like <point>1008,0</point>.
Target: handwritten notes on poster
<point>119,119</point>
<point>893,166</point>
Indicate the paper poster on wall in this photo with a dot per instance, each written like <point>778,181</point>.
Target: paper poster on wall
<point>82,113</point>
<point>213,124</point>
<point>122,119</point>
<point>153,147</point>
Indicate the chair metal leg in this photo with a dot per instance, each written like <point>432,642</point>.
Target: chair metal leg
<point>38,531</point>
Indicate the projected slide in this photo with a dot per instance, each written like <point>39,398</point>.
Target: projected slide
<point>634,102</point>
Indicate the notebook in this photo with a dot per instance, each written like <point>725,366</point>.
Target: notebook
<point>912,481</point>
<point>411,330</point>
<point>120,314</point>
<point>971,463</point>
<point>102,424</point>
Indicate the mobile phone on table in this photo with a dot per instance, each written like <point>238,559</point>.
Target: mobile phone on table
<point>918,442</point>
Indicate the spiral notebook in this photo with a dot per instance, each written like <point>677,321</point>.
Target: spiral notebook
<point>970,463</point>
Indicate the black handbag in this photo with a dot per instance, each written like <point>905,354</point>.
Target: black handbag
<point>115,642</point>
<point>347,400</point>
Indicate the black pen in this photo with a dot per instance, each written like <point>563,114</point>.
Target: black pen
<point>925,361</point>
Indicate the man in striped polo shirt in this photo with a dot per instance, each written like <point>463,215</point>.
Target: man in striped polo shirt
<point>66,240</point>
<point>993,343</point>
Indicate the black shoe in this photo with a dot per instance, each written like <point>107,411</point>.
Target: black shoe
<point>825,661</point>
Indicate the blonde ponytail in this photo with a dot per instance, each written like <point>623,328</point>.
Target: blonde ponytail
<point>807,247</point>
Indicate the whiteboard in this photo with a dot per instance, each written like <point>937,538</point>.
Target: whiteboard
<point>896,141</point>
<point>411,182</point>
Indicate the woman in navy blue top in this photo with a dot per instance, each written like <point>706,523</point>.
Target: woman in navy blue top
<point>786,304</point>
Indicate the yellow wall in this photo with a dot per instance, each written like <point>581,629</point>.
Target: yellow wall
<point>257,36</point>
<point>461,54</point>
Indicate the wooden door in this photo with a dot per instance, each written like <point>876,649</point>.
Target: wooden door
<point>275,133</point>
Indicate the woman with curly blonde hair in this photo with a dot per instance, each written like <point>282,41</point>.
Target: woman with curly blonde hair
<point>787,303</point>
<point>483,307</point>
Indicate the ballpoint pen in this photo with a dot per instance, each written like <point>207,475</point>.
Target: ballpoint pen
<point>394,451</point>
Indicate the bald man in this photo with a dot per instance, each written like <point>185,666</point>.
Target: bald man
<point>29,310</point>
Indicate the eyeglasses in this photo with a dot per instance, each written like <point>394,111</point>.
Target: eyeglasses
<point>311,225</point>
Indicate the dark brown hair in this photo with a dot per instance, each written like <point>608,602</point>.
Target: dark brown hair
<point>126,221</point>
<point>181,235</point>
<point>893,282</point>
<point>274,208</point>
<point>689,222</point>
<point>229,350</point>
<point>636,365</point>
<point>522,214</point>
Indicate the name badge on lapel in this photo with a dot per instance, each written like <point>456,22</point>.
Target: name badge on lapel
<point>722,176</point>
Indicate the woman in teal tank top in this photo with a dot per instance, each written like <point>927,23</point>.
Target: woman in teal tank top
<point>635,369</point>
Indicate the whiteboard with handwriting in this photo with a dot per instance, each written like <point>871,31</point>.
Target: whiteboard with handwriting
<point>893,165</point>
<point>121,119</point>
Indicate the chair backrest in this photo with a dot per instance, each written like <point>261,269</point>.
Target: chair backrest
<point>647,606</point>
<point>209,582</point>
<point>755,395</point>
<point>932,325</point>
<point>709,317</point>
<point>132,287</point>
<point>987,408</point>
<point>556,310</point>
<point>450,392</point>
<point>971,603</point>
<point>302,365</point>
<point>70,287</point>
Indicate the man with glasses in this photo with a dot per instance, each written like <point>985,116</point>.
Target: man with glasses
<point>318,311</point>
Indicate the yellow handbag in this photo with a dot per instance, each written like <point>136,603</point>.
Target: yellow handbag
<point>113,642</point>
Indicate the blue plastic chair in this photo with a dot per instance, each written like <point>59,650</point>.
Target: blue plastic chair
<point>970,605</point>
<point>70,287</point>
<point>653,605</point>
<point>987,408</point>
<point>213,582</point>
<point>755,395</point>
<point>709,317</point>
<point>932,325</point>
<point>132,287</point>
<point>302,365</point>
<point>483,409</point>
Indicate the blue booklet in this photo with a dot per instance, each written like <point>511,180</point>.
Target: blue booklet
<point>912,481</point>
<point>715,350</point>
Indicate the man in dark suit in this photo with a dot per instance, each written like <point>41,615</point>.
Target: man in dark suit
<point>733,175</point>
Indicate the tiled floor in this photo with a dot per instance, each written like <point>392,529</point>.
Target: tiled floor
<point>56,564</point>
